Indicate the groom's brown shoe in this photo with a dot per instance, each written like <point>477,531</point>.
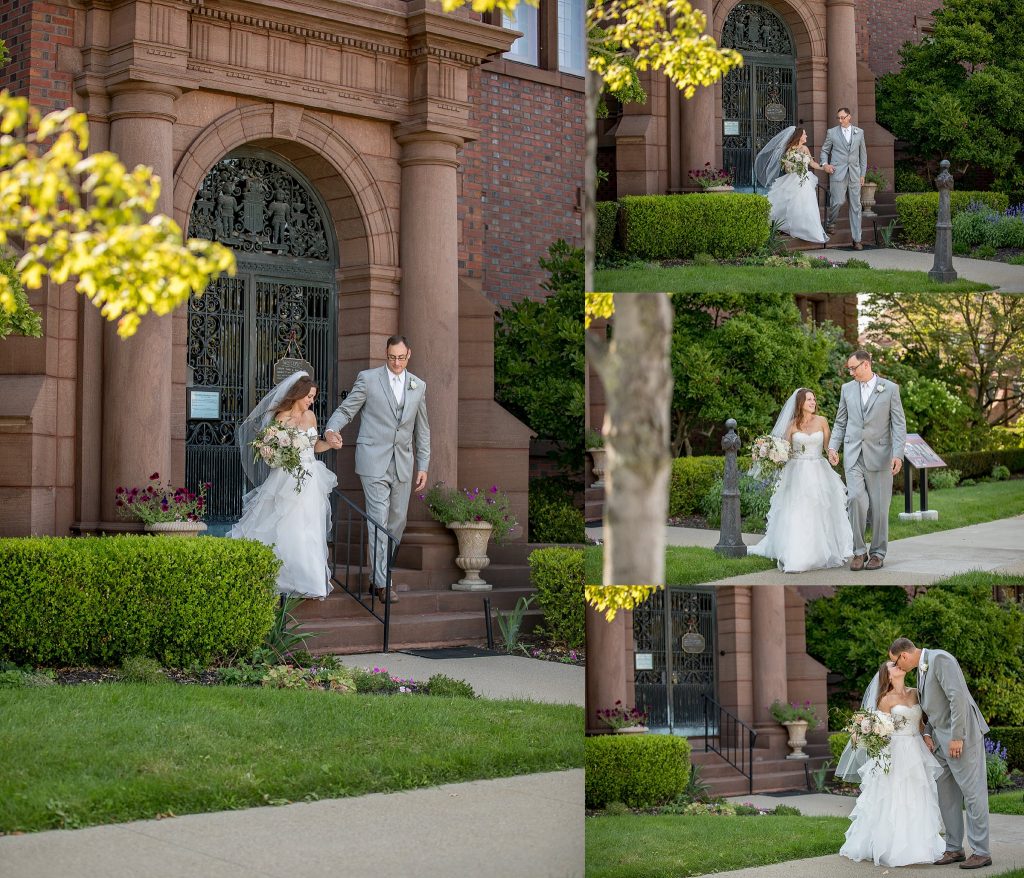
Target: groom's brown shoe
<point>857,245</point>
<point>874,563</point>
<point>858,562</point>
<point>976,861</point>
<point>382,596</point>
<point>950,857</point>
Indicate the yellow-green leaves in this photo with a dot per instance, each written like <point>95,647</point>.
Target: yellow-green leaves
<point>609,599</point>
<point>598,305</point>
<point>89,218</point>
<point>486,5</point>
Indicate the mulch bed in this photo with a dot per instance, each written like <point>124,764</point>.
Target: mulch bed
<point>78,676</point>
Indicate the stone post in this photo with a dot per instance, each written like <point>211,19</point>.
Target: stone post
<point>942,268</point>
<point>730,542</point>
<point>137,371</point>
<point>607,672</point>
<point>698,118</point>
<point>841,42</point>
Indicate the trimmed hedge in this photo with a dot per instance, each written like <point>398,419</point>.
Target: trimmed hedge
<point>837,742</point>
<point>97,600</point>
<point>637,770</point>
<point>681,226</point>
<point>553,517</point>
<point>607,224</point>
<point>1012,738</point>
<point>976,464</point>
<point>918,212</point>
<point>557,574</point>
<point>691,480</point>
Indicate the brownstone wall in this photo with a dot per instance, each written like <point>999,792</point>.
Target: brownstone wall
<point>519,182</point>
<point>883,27</point>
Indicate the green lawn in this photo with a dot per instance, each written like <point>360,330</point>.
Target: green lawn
<point>687,565</point>
<point>642,846</point>
<point>80,755</point>
<point>751,278</point>
<point>976,577</point>
<point>959,507</point>
<point>1006,803</point>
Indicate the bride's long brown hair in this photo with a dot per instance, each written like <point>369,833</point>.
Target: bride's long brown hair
<point>801,395</point>
<point>795,139</point>
<point>884,682</point>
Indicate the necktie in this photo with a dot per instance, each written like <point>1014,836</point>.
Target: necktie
<point>396,388</point>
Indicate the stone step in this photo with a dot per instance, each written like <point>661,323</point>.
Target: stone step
<point>406,579</point>
<point>340,605</point>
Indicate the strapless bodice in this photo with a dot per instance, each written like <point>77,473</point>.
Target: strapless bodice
<point>912,713</point>
<point>807,446</point>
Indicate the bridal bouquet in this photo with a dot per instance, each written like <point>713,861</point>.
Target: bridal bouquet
<point>279,447</point>
<point>793,162</point>
<point>872,731</point>
<point>770,452</point>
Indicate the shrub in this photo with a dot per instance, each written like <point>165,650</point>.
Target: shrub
<point>97,600</point>
<point>979,464</point>
<point>19,679</point>
<point>755,501</point>
<point>607,221</point>
<point>967,483</point>
<point>1007,231</point>
<point>242,674</point>
<point>374,681</point>
<point>448,687</point>
<point>971,227</point>
<point>908,180</point>
<point>616,809</point>
<point>704,259</point>
<point>918,213</point>
<point>837,744</point>
<point>1000,473</point>
<point>557,574</point>
<point>554,518</point>
<point>786,811</point>
<point>985,251</point>
<point>996,771</point>
<point>681,226</point>
<point>638,770</point>
<point>141,669</point>
<point>1012,739</point>
<point>856,263</point>
<point>943,479</point>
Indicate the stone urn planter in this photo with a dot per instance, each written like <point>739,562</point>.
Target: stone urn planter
<point>632,730</point>
<point>797,729</point>
<point>867,199</point>
<point>176,528</point>
<point>720,189</point>
<point>597,454</point>
<point>472,557</point>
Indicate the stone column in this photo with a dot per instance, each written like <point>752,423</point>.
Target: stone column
<point>841,23</point>
<point>698,117</point>
<point>137,371</point>
<point>607,673</point>
<point>768,609</point>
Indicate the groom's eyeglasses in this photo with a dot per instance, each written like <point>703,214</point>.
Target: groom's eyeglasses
<point>853,369</point>
<point>401,358</point>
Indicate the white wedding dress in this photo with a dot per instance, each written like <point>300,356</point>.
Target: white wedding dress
<point>294,523</point>
<point>896,821</point>
<point>808,526</point>
<point>794,201</point>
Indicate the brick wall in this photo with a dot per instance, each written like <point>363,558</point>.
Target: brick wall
<point>519,182</point>
<point>883,27</point>
<point>34,31</point>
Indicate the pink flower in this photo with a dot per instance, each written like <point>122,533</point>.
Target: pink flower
<point>154,477</point>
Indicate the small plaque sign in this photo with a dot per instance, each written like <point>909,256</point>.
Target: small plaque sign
<point>693,642</point>
<point>289,366</point>
<point>644,661</point>
<point>203,404</point>
<point>920,455</point>
<point>731,127</point>
<point>775,112</point>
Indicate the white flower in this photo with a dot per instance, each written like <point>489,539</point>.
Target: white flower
<point>923,666</point>
<point>865,726</point>
<point>266,453</point>
<point>879,387</point>
<point>412,384</point>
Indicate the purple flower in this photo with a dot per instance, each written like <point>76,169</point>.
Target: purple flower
<point>494,489</point>
<point>154,477</point>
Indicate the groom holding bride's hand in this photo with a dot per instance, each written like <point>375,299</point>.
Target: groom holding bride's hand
<point>872,428</point>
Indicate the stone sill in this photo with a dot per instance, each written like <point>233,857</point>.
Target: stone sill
<point>535,74</point>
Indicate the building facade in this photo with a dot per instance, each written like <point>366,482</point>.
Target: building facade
<point>377,167</point>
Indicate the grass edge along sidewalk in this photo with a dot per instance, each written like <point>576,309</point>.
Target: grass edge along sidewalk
<point>94,754</point>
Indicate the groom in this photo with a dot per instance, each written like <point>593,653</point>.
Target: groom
<point>845,158</point>
<point>955,733</point>
<point>872,429</point>
<point>393,436</point>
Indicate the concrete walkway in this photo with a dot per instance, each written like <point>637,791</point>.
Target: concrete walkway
<point>1007,836</point>
<point>1008,278</point>
<point>531,825</point>
<point>995,546</point>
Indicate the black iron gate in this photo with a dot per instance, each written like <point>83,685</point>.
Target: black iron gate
<point>671,682</point>
<point>281,301</point>
<point>759,98</point>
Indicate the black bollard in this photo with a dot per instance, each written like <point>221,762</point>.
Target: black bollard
<point>942,269</point>
<point>730,541</point>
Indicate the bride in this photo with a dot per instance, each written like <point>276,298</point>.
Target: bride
<point>808,526</point>
<point>793,196</point>
<point>294,522</point>
<point>896,820</point>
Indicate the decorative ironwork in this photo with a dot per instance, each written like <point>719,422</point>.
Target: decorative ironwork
<point>756,28</point>
<point>672,692</point>
<point>254,204</point>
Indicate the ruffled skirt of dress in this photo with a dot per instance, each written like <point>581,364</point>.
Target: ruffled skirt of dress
<point>295,524</point>
<point>795,207</point>
<point>896,821</point>
<point>808,526</point>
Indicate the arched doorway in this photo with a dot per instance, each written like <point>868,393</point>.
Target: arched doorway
<point>282,301</point>
<point>758,99</point>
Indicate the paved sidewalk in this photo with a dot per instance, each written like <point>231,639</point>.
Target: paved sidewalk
<point>996,546</point>
<point>1009,278</point>
<point>508,828</point>
<point>1007,834</point>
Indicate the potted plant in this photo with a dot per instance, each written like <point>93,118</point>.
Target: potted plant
<point>874,181</point>
<point>798,720</point>
<point>595,447</point>
<point>712,179</point>
<point>622,721</point>
<point>474,516</point>
<point>163,509</point>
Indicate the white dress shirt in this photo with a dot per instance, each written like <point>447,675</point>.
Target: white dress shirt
<point>397,386</point>
<point>848,132</point>
<point>867,388</point>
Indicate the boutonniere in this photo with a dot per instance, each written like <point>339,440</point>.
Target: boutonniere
<point>924,666</point>
<point>879,387</point>
<point>412,384</point>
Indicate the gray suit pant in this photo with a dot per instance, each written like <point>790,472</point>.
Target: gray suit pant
<point>964,783</point>
<point>387,502</point>
<point>838,192</point>
<point>870,493</point>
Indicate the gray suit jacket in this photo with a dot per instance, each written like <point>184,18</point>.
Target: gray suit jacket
<point>383,432</point>
<point>952,713</point>
<point>852,159</point>
<point>877,432</point>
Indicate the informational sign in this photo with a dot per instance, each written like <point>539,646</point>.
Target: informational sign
<point>644,661</point>
<point>775,112</point>
<point>289,366</point>
<point>203,404</point>
<point>693,642</point>
<point>919,454</point>
<point>731,127</point>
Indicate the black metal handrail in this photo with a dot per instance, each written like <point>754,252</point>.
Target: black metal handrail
<point>729,734</point>
<point>370,537</point>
